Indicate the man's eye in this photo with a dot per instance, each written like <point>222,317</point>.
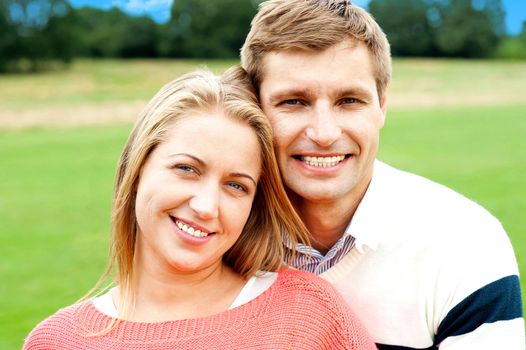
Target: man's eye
<point>292,102</point>
<point>349,100</point>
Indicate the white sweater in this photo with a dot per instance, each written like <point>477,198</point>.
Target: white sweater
<point>437,272</point>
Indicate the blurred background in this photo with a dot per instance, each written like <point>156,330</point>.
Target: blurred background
<point>75,74</point>
<point>36,32</point>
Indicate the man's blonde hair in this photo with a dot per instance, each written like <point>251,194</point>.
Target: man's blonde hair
<point>313,25</point>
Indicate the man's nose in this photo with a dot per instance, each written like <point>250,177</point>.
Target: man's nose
<point>324,129</point>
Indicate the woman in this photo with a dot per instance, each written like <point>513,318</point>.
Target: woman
<point>199,217</point>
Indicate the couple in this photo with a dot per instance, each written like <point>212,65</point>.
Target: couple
<point>201,222</point>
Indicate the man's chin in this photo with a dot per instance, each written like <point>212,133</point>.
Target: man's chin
<point>316,194</point>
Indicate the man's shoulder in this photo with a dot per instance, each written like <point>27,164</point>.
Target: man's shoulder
<point>413,185</point>
<point>417,195</point>
<point>405,207</point>
<point>433,219</point>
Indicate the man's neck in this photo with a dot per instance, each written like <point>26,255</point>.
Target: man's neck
<point>326,223</point>
<point>327,220</point>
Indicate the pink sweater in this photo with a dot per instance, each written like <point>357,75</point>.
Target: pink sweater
<point>299,311</point>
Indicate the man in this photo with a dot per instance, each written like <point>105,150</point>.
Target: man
<point>422,266</point>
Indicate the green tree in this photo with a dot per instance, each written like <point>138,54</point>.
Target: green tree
<point>115,34</point>
<point>35,31</point>
<point>407,26</point>
<point>59,38</point>
<point>470,28</point>
<point>207,28</point>
<point>140,38</point>
<point>513,47</point>
<point>7,38</point>
<point>459,28</point>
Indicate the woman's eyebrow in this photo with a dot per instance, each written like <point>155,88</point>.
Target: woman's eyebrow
<point>198,160</point>
<point>244,176</point>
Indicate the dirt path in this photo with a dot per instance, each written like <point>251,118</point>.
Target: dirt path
<point>71,116</point>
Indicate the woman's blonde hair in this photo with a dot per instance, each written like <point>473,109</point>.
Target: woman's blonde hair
<point>313,25</point>
<point>272,218</point>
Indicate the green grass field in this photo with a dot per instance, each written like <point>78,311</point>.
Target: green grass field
<point>461,123</point>
<point>95,82</point>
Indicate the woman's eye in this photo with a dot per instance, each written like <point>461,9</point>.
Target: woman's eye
<point>237,186</point>
<point>185,168</point>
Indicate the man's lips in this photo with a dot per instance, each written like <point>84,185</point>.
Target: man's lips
<point>322,161</point>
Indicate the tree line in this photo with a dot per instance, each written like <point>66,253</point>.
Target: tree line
<point>36,32</point>
<point>447,28</point>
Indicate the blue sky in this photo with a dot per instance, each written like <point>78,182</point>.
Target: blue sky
<point>160,9</point>
<point>157,9</point>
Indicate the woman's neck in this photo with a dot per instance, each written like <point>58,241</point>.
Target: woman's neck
<point>172,296</point>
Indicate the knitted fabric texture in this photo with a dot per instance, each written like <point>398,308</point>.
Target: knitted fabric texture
<point>299,311</point>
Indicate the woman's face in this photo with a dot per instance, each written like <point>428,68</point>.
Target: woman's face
<point>195,193</point>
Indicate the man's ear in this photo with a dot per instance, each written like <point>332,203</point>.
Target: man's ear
<point>383,108</point>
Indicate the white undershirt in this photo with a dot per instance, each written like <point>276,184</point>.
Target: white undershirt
<point>254,287</point>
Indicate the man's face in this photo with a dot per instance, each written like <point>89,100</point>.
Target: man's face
<point>326,115</point>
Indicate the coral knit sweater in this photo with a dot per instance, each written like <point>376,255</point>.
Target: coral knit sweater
<point>299,311</point>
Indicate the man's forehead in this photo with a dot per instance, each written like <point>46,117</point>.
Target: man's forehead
<point>302,53</point>
<point>334,64</point>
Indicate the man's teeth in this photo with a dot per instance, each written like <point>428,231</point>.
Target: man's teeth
<point>190,230</point>
<point>324,162</point>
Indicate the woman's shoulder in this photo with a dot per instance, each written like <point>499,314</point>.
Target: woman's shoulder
<point>307,294</point>
<point>309,288</point>
<point>52,332</point>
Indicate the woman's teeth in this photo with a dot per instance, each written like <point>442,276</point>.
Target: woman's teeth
<point>190,230</point>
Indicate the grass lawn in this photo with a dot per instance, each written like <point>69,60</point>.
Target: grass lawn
<point>56,191</point>
<point>56,183</point>
<point>96,82</point>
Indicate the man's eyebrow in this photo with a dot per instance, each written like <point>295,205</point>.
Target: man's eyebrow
<point>354,91</point>
<point>289,93</point>
<point>198,160</point>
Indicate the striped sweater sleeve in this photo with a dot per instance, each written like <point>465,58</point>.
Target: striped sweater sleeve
<point>482,307</point>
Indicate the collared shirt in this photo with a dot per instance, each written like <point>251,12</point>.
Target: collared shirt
<point>311,260</point>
